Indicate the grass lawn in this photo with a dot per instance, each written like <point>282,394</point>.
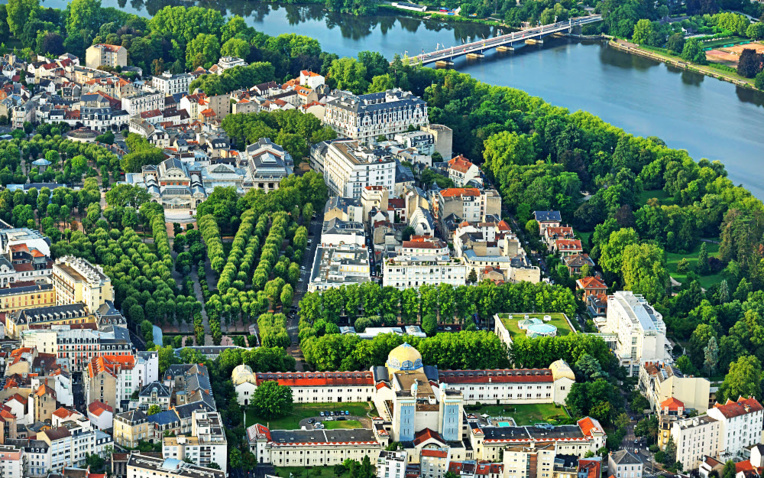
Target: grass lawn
<point>558,320</point>
<point>302,472</point>
<point>705,281</point>
<point>523,414</point>
<point>661,195</point>
<point>308,410</point>
<point>347,424</point>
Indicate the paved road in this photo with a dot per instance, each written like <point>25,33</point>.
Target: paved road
<point>314,234</point>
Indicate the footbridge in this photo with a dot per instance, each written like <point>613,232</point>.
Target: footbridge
<point>506,42</point>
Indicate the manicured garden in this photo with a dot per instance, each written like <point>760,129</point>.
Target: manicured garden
<point>527,414</point>
<point>342,424</point>
<point>558,320</point>
<point>313,410</point>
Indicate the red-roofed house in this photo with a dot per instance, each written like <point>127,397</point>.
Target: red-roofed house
<point>590,467</point>
<point>62,415</point>
<point>591,286</point>
<point>324,387</point>
<point>568,247</point>
<point>101,415</point>
<point>434,462</point>
<point>467,204</point>
<point>461,171</point>
<point>741,423</point>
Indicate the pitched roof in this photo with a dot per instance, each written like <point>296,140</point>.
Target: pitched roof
<point>591,283</point>
<point>460,163</point>
<point>97,408</point>
<point>434,453</point>
<point>672,404</point>
<point>307,379</point>
<point>741,407</point>
<point>459,192</point>
<point>496,376</point>
<point>588,425</point>
<point>625,457</point>
<point>426,434</point>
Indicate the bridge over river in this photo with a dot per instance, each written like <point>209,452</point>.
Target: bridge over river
<point>477,48</point>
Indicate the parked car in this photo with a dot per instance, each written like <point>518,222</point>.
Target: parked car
<point>322,414</point>
<point>329,419</point>
<point>347,412</point>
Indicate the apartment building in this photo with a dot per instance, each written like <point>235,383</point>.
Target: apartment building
<point>78,281</point>
<point>144,466</point>
<point>659,381</point>
<point>11,461</point>
<point>413,271</point>
<point>143,102</point>
<point>103,54</point>
<point>530,461</point>
<point>623,464</point>
<point>312,387</point>
<point>170,84</point>
<point>349,167</point>
<point>740,424</point>
<point>205,445</point>
<point>26,297</point>
<point>466,204</point>
<point>110,379</point>
<point>639,329</point>
<point>338,266</point>
<point>132,427</point>
<point>694,439</point>
<point>392,464</point>
<point>366,117</point>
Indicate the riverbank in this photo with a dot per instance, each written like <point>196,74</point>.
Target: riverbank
<point>677,62</point>
<point>434,15</point>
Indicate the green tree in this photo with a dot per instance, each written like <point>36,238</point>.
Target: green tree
<point>675,43</point>
<point>19,12</point>
<point>759,81</point>
<point>644,271</point>
<point>348,74</point>
<point>755,31</point>
<point>742,380</point>
<point>729,470</point>
<point>272,400</point>
<point>153,410</point>
<point>643,32</point>
<point>507,148</point>
<point>693,52</point>
<point>83,15</point>
<point>612,253</point>
<point>235,47</point>
<point>749,63</point>
<point>711,353</point>
<point>204,50</point>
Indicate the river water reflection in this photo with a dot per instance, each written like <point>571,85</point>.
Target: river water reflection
<point>709,118</point>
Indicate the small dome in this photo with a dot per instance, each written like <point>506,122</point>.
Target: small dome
<point>561,369</point>
<point>404,357</point>
<point>242,373</point>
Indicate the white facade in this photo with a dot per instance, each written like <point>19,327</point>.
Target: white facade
<point>740,424</point>
<point>207,443</point>
<point>640,330</point>
<point>391,464</point>
<point>321,387</point>
<point>694,439</point>
<point>623,464</point>
<point>405,272</point>
<point>143,466</point>
<point>78,281</point>
<point>146,367</point>
<point>338,266</point>
<point>11,461</point>
<point>350,167</point>
<point>170,84</point>
<point>135,105</point>
<point>367,117</point>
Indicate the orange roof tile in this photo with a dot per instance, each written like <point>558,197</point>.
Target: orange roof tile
<point>460,163</point>
<point>459,192</point>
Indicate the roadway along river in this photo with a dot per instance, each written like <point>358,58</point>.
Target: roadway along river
<point>708,117</point>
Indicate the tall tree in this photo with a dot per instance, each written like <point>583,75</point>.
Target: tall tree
<point>742,380</point>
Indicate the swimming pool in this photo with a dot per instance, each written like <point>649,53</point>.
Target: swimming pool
<point>504,424</point>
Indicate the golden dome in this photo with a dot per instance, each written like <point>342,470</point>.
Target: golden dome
<point>561,369</point>
<point>404,357</point>
<point>242,373</point>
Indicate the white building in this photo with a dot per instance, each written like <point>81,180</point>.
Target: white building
<point>245,383</point>
<point>461,171</point>
<point>228,62</point>
<point>318,387</point>
<point>170,84</point>
<point>11,461</point>
<point>78,281</point>
<point>268,164</point>
<point>694,439</point>
<point>640,330</point>
<point>349,167</point>
<point>207,443</point>
<point>140,103</point>
<point>512,386</point>
<point>367,117</point>
<point>392,464</point>
<point>144,466</point>
<point>740,424</point>
<point>407,271</point>
<point>660,381</point>
<point>338,266</point>
<point>623,464</point>
<point>146,367</point>
<point>336,232</point>
<point>310,79</point>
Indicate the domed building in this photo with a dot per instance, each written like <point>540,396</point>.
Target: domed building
<point>404,358</point>
<point>245,383</point>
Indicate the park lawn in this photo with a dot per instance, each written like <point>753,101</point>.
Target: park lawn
<point>527,414</point>
<point>659,194</point>
<point>309,410</point>
<point>342,424</point>
<point>302,472</point>
<point>558,320</point>
<point>673,259</point>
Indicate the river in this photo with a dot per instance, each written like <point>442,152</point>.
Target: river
<point>709,118</point>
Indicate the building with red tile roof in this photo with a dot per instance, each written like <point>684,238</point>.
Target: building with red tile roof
<point>741,423</point>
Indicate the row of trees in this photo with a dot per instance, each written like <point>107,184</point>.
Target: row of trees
<point>410,306</point>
